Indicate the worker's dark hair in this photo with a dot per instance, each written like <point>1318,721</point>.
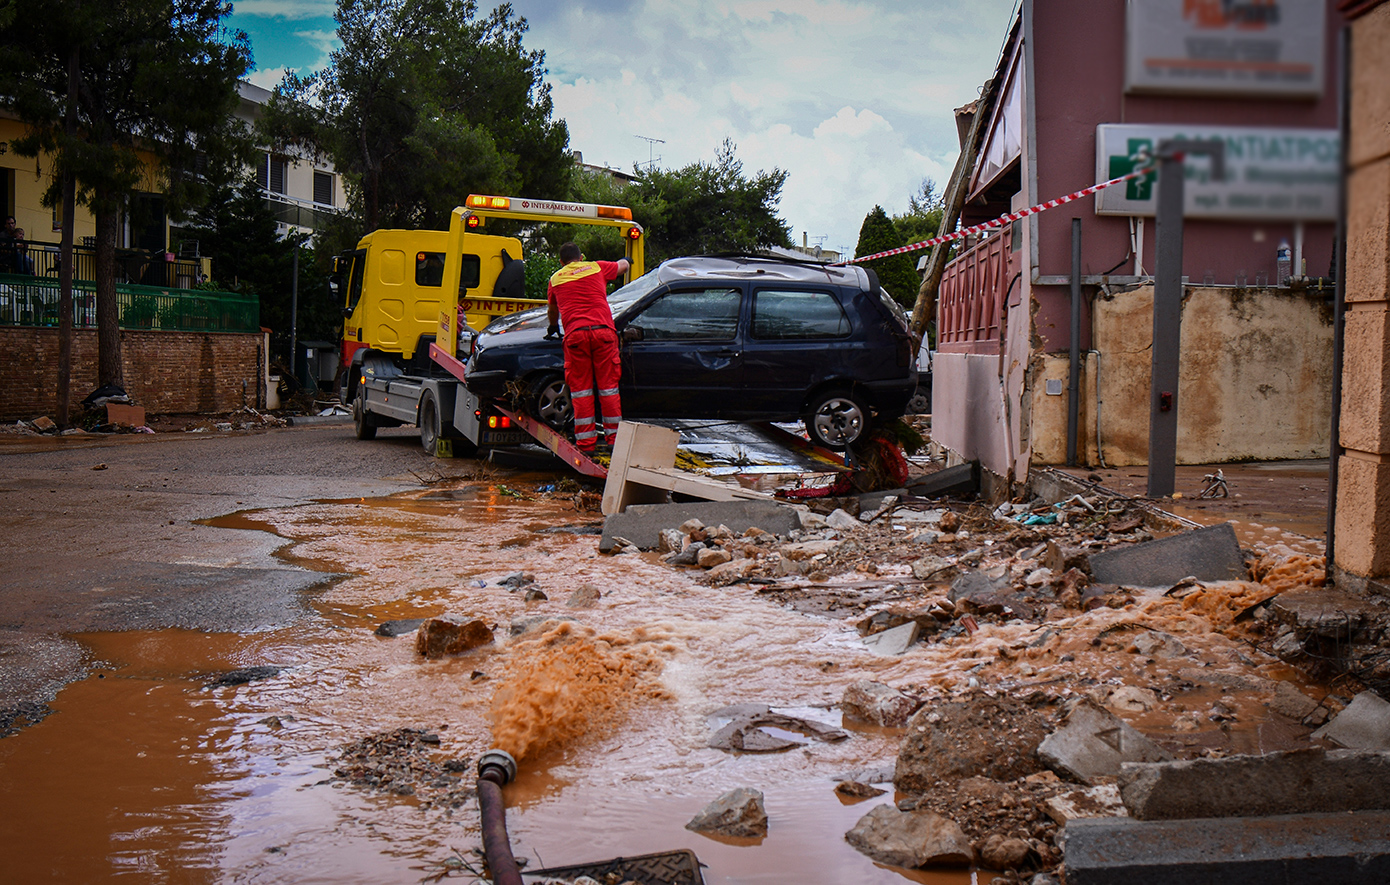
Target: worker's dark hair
<point>570,252</point>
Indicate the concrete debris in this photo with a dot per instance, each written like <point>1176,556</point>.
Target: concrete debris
<point>1207,554</point>
<point>738,813</point>
<point>1092,744</point>
<point>1349,849</point>
<point>1363,725</point>
<point>841,521</point>
<point>642,523</point>
<point>745,732</point>
<point>1293,782</point>
<point>961,481</point>
<point>451,635</point>
<point>712,556</point>
<point>1102,800</point>
<point>991,737</point>
<point>1289,701</point>
<point>43,424</point>
<point>1006,853</point>
<point>893,642</point>
<point>910,839</point>
<point>879,704</point>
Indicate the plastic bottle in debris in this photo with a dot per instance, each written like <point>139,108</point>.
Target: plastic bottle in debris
<point>1283,262</point>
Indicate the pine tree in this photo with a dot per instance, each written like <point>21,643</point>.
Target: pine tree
<point>896,273</point>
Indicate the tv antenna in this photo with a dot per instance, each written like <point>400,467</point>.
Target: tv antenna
<point>651,148</point>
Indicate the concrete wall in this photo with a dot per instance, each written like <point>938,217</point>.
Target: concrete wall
<point>1049,411</point>
<point>1362,521</point>
<point>968,409</point>
<point>166,372</point>
<point>1255,380</point>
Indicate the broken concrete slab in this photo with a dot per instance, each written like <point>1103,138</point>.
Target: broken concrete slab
<point>883,705</point>
<point>893,642</point>
<point>1093,743</point>
<point>1363,725</point>
<point>1102,800</point>
<point>1289,701</point>
<point>1207,554</point>
<point>744,732</point>
<point>1349,849</point>
<point>1329,613</point>
<point>642,523</point>
<point>1292,782</point>
<point>960,481</point>
<point>739,813</point>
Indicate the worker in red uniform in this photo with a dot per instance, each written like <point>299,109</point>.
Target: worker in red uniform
<point>578,296</point>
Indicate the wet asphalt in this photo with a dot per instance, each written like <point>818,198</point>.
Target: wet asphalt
<point>106,533</point>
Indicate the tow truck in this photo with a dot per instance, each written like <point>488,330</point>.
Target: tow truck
<point>392,379</point>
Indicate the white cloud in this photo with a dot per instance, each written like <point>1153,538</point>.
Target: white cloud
<point>267,78</point>
<point>290,10</point>
<point>853,98</point>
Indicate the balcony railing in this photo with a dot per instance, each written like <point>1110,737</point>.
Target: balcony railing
<point>971,300</point>
<point>40,259</point>
<point>33,301</point>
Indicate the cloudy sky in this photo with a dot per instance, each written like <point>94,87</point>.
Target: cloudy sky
<point>852,97</point>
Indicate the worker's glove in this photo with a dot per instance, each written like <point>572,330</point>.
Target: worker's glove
<point>552,333</point>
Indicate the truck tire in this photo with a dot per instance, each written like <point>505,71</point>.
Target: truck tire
<point>363,422</point>
<point>431,425</point>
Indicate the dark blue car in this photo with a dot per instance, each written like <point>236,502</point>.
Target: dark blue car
<point>743,338</point>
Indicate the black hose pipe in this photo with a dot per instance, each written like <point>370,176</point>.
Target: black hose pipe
<point>496,769</point>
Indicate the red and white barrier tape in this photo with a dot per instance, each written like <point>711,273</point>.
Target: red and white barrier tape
<point>1002,219</point>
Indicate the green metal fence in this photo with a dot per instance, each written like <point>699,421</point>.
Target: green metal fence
<point>33,301</point>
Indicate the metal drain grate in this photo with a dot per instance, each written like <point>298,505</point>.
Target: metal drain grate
<point>665,868</point>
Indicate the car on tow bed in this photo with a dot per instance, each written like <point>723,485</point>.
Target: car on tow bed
<point>737,337</point>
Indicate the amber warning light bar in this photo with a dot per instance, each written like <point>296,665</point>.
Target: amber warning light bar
<point>547,207</point>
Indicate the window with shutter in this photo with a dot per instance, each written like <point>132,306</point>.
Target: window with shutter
<point>323,188</point>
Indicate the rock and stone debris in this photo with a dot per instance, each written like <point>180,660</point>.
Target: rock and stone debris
<point>405,762</point>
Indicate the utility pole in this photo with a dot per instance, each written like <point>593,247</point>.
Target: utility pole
<point>294,314</point>
<point>1168,289</point>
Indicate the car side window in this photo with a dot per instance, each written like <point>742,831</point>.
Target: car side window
<point>780,314</point>
<point>691,314</point>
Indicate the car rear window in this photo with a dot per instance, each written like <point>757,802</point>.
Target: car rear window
<point>706,314</point>
<point>780,314</point>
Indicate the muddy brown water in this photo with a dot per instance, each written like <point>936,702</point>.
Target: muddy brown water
<point>145,772</point>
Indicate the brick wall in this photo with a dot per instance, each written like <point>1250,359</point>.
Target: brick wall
<point>166,372</point>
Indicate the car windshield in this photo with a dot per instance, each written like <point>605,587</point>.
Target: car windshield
<point>628,295</point>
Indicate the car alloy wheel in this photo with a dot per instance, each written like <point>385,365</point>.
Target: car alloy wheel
<point>836,420</point>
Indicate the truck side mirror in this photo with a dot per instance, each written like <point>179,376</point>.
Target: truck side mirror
<point>633,333</point>
<point>346,312</point>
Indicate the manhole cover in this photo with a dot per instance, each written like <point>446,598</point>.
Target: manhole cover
<point>665,868</point>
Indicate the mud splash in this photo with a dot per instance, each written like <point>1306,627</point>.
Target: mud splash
<point>570,683</point>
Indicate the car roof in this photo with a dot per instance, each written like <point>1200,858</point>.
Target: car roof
<point>761,267</point>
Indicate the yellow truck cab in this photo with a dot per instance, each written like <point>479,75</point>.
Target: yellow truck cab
<point>392,286</point>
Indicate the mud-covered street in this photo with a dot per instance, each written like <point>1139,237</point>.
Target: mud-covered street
<point>196,687</point>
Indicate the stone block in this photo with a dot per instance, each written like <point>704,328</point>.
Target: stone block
<point>1348,849</point>
<point>1207,554</point>
<point>1368,233</point>
<point>642,523</point>
<point>738,813</point>
<point>1294,782</point>
<point>1370,100</point>
<point>880,704</point>
<point>910,838</point>
<point>1365,419</point>
<point>1363,539</point>
<point>963,480</point>
<point>1363,725</point>
<point>451,635</point>
<point>1092,744</point>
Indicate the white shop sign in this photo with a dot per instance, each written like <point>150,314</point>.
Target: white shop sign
<point>1225,47</point>
<point>1286,174</point>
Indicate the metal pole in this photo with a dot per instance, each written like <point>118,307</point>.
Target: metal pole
<point>1168,289</point>
<point>294,315</point>
<point>1339,301</point>
<point>1074,380</point>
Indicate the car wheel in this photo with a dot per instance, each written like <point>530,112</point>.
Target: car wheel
<point>363,423</point>
<point>836,420</point>
<point>550,401</point>
<point>430,428</point>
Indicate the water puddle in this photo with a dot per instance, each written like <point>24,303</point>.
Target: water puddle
<point>148,769</point>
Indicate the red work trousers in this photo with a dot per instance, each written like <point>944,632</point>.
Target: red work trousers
<point>593,367</point>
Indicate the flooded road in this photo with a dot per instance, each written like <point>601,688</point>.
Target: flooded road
<point>147,771</point>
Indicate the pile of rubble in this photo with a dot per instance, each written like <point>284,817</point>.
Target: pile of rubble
<point>1060,645</point>
<point>402,763</point>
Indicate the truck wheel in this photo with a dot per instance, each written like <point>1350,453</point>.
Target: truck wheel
<point>363,422</point>
<point>550,401</point>
<point>431,428</point>
<point>836,420</point>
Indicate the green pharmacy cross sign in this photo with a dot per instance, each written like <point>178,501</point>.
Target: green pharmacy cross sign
<point>1271,174</point>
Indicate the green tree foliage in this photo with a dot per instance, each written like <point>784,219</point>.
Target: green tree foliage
<point>425,103</point>
<point>896,273</point>
<point>156,81</point>
<point>236,229</point>
<point>922,220</point>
